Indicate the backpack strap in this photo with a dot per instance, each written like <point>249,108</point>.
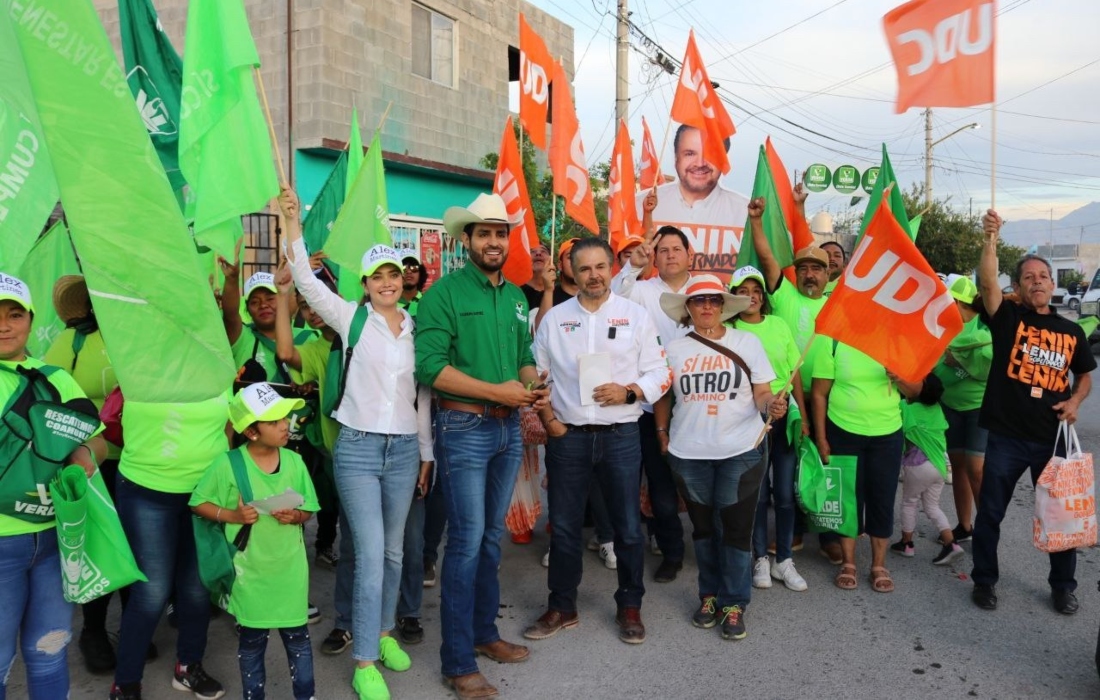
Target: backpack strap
<point>78,344</point>
<point>358,322</point>
<point>240,474</point>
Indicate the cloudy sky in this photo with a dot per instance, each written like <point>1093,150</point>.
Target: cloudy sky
<point>816,76</point>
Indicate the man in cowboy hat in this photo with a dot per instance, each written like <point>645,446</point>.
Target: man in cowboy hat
<point>474,348</point>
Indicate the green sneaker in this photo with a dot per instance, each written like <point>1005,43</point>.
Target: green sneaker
<point>370,685</point>
<point>392,656</point>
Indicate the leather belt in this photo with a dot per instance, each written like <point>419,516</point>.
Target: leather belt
<point>478,408</point>
<point>592,428</point>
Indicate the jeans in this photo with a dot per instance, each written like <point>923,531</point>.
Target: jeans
<point>33,610</point>
<point>158,527</point>
<point>412,569</point>
<point>782,463</point>
<point>478,458</point>
<point>613,457</point>
<point>665,524</point>
<point>345,576</point>
<point>251,645</point>
<point>376,475</point>
<point>878,465</point>
<point>1006,459</point>
<point>601,517</point>
<point>721,496</point>
<point>324,483</point>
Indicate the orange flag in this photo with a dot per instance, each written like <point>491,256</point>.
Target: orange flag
<point>622,213</point>
<point>796,223</point>
<point>511,186</point>
<point>696,104</point>
<point>567,163</point>
<point>889,303</point>
<point>536,67</point>
<point>649,170</point>
<point>943,52</point>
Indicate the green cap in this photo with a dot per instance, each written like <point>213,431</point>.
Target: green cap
<point>962,288</point>
<point>259,402</point>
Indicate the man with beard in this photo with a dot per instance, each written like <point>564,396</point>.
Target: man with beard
<point>706,212</point>
<point>838,260</point>
<point>557,288</point>
<point>413,279</point>
<point>473,348</point>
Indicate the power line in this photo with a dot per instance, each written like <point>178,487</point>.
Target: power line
<point>781,31</point>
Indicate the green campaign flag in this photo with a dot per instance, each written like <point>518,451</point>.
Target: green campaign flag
<point>51,258</point>
<point>886,178</point>
<point>154,72</point>
<point>28,191</point>
<point>775,228</point>
<point>153,302</point>
<point>224,147</point>
<point>364,219</point>
<point>326,206</point>
<point>355,151</point>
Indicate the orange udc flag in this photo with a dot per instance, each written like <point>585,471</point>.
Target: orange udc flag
<point>649,169</point>
<point>696,104</point>
<point>796,222</point>
<point>622,214</point>
<point>889,303</point>
<point>536,67</point>
<point>567,163</point>
<point>512,187</point>
<point>943,51</point>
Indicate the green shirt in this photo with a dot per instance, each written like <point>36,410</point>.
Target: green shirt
<point>862,400</point>
<point>800,312</point>
<point>479,329</point>
<point>254,345</point>
<point>170,445</point>
<point>830,286</point>
<point>964,386</point>
<point>411,305</point>
<point>314,355</point>
<point>272,572</point>
<point>93,371</point>
<point>778,344</point>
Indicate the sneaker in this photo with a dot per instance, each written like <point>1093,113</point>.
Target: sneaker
<point>905,549</point>
<point>960,534</point>
<point>127,691</point>
<point>193,677</point>
<point>784,571</point>
<point>326,558</point>
<point>392,655</point>
<point>429,575</point>
<point>546,559</point>
<point>369,684</point>
<point>707,614</point>
<point>761,574</point>
<point>95,647</point>
<point>313,614</point>
<point>653,548</point>
<point>949,554</point>
<point>409,629</point>
<point>607,553</point>
<point>336,642</point>
<point>733,623</point>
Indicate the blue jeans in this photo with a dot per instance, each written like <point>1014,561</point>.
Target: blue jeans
<point>375,475</point>
<point>665,524</point>
<point>720,493</point>
<point>158,527</point>
<point>345,576</point>
<point>601,518</point>
<point>1006,460</point>
<point>614,458</point>
<point>782,462</point>
<point>251,645</point>
<point>412,569</point>
<point>478,458</point>
<point>33,610</point>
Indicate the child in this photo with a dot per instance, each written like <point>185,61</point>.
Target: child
<point>272,577</point>
<point>924,465</point>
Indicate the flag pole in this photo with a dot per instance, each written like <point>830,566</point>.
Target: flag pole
<point>385,115</point>
<point>993,157</point>
<point>271,127</point>
<point>786,389</point>
<point>661,154</point>
<point>553,222</point>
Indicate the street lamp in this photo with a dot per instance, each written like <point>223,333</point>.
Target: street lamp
<point>928,144</point>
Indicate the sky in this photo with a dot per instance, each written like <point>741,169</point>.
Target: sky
<point>816,75</point>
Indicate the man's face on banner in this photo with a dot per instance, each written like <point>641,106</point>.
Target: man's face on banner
<point>696,174</point>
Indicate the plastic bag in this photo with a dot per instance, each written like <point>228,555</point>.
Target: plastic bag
<point>827,492</point>
<point>1065,498</point>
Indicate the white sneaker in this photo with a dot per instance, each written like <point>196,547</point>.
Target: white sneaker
<point>593,544</point>
<point>784,571</point>
<point>607,553</point>
<point>761,576</point>
<point>546,558</point>
<point>653,548</point>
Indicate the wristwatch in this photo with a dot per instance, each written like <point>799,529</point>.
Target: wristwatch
<point>631,397</point>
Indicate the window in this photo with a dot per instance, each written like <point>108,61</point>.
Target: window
<point>433,45</point>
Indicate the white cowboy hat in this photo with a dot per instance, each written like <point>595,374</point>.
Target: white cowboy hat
<point>675,305</point>
<point>486,208</point>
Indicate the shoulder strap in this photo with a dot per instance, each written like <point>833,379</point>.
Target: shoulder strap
<point>78,345</point>
<point>240,474</point>
<point>358,321</point>
<point>725,351</point>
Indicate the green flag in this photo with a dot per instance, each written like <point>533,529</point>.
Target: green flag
<point>326,206</point>
<point>28,191</point>
<point>153,303</point>
<point>224,148</point>
<point>886,178</point>
<point>355,151</point>
<point>775,229</point>
<point>154,72</point>
<point>51,258</point>
<point>364,219</point>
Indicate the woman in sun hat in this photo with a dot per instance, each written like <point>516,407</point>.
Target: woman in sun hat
<point>721,385</point>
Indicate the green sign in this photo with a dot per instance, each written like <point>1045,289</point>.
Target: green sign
<point>870,176</point>
<point>817,178</point>
<point>846,179</point>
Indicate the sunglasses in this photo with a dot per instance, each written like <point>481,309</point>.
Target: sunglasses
<point>412,267</point>
<point>707,300</point>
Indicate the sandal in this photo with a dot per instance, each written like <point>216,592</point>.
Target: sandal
<point>880,580</point>
<point>846,577</point>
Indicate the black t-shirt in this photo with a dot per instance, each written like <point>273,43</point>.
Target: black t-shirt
<point>534,296</point>
<point>1033,356</point>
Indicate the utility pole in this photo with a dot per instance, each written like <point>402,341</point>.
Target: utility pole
<point>622,69</point>
<point>928,157</point>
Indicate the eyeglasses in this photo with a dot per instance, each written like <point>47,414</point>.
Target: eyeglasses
<point>707,299</point>
<point>412,267</point>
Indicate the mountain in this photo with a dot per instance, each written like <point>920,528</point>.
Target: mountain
<point>1079,226</point>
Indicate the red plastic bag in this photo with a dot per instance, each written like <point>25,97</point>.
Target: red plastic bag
<point>1065,498</point>
<point>111,415</point>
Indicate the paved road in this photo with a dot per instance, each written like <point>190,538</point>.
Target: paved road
<point>924,640</point>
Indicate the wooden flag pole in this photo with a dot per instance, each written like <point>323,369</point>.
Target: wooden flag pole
<point>553,223</point>
<point>993,157</point>
<point>271,127</point>
<point>385,115</point>
<point>786,389</point>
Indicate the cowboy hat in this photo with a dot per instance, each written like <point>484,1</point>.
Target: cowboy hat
<point>487,208</point>
<point>675,305</point>
<point>71,299</point>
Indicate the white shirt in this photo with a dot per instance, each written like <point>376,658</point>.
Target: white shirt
<point>715,415</point>
<point>647,294</point>
<point>714,224</point>
<point>381,394</point>
<point>637,357</point>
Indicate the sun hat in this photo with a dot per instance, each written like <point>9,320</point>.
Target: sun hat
<point>812,253</point>
<point>487,208</point>
<point>675,305</point>
<point>743,274</point>
<point>16,290</point>
<point>260,280</point>
<point>378,256</point>
<point>259,402</point>
<point>70,298</point>
<point>961,288</point>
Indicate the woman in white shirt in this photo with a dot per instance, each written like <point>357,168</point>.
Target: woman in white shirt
<point>384,447</point>
<point>712,441</point>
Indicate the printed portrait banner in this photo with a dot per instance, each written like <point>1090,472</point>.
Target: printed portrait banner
<point>697,104</point>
